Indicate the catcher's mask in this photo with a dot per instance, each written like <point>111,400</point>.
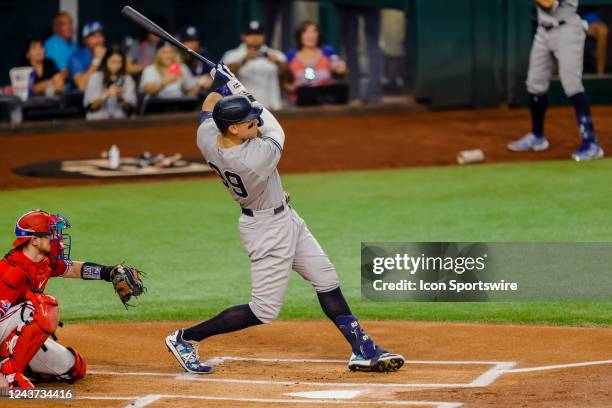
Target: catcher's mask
<point>38,223</point>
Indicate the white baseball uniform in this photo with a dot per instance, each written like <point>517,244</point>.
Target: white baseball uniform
<point>274,235</point>
<point>560,36</point>
<point>52,358</point>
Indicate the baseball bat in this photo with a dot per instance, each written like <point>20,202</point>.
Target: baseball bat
<point>153,28</point>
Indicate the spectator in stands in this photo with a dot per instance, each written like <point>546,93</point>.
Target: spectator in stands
<point>312,63</point>
<point>313,66</point>
<point>598,30</point>
<point>167,77</point>
<point>393,45</point>
<point>110,92</point>
<point>371,15</point>
<point>258,66</point>
<point>200,71</point>
<point>61,45</point>
<point>85,61</point>
<point>141,54</point>
<point>48,80</point>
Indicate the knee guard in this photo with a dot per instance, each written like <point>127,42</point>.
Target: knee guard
<point>29,337</point>
<point>79,369</point>
<point>46,312</point>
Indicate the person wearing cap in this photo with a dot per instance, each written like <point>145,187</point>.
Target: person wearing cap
<point>190,38</point>
<point>60,46</point>
<point>85,61</point>
<point>258,66</point>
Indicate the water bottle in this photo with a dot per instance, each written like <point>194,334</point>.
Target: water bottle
<point>114,157</point>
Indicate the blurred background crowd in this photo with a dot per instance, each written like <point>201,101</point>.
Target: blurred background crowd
<point>69,68</point>
<point>283,58</point>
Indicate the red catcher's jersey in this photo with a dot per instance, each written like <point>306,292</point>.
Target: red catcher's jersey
<point>19,274</point>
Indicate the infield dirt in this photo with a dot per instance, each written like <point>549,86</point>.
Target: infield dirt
<point>448,362</point>
<point>130,361</point>
<point>323,144</point>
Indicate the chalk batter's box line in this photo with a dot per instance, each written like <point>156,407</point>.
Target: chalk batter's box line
<point>483,380</point>
<point>141,402</point>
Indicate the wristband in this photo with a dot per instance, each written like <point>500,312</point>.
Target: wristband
<point>93,271</point>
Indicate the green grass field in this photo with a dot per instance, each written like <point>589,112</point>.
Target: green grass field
<point>185,235</point>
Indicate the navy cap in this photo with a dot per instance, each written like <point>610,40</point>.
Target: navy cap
<point>92,27</point>
<point>254,27</point>
<point>189,33</point>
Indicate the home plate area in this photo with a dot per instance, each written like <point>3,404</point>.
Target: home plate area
<point>239,380</point>
<point>282,364</point>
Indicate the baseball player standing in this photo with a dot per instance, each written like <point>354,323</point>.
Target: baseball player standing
<point>243,143</point>
<point>560,36</point>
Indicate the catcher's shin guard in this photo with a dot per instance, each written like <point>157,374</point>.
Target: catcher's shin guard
<point>28,338</point>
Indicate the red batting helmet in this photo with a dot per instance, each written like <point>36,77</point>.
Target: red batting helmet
<point>39,223</point>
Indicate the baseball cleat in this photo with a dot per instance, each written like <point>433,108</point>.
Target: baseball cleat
<point>588,151</point>
<point>529,142</point>
<point>382,361</point>
<point>14,379</point>
<point>186,352</point>
<point>18,381</point>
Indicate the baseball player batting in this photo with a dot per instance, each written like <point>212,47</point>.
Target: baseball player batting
<point>28,317</point>
<point>243,143</point>
<point>560,37</point>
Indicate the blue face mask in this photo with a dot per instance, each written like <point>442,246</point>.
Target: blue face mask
<point>61,242</point>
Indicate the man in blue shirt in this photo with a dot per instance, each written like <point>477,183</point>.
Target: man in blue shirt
<point>85,61</point>
<point>60,46</point>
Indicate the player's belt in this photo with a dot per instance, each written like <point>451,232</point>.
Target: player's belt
<point>249,212</point>
<point>549,27</point>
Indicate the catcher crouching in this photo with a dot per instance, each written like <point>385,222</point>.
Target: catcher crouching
<point>28,316</point>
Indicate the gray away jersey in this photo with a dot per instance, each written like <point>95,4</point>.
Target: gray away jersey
<point>565,12</point>
<point>247,170</point>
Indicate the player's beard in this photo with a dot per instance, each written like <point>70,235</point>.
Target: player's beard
<point>44,252</point>
<point>46,249</point>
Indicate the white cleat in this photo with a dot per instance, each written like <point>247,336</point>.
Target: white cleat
<point>529,142</point>
<point>382,361</point>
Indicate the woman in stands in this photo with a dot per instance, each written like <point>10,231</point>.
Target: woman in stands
<point>110,91</point>
<point>313,64</point>
<point>48,80</point>
<point>167,77</point>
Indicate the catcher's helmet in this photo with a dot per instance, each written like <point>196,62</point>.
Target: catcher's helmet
<point>235,109</point>
<point>39,223</point>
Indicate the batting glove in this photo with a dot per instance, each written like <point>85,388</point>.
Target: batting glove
<point>226,83</point>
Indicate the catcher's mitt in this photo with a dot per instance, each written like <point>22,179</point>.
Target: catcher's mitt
<point>127,282</point>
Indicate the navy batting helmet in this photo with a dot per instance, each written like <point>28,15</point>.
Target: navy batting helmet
<point>235,109</point>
